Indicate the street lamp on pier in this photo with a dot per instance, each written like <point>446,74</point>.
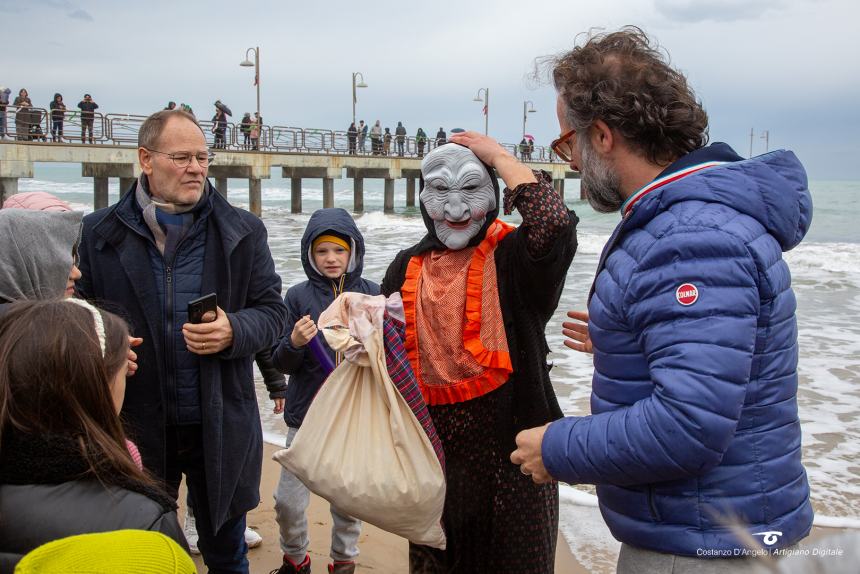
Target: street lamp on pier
<point>486,100</point>
<point>247,63</point>
<point>528,108</point>
<point>360,84</point>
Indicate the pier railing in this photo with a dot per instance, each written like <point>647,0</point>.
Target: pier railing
<point>34,125</point>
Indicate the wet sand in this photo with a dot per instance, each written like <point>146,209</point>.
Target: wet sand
<point>381,552</point>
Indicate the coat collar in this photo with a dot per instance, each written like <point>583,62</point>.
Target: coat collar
<point>226,230</point>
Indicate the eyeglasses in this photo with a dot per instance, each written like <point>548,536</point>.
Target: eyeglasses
<point>182,159</point>
<point>561,145</point>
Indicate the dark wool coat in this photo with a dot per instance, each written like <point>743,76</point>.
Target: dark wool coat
<point>238,267</point>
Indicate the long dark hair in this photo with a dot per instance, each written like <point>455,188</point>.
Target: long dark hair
<point>55,381</point>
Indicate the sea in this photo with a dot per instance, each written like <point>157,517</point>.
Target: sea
<point>825,271</point>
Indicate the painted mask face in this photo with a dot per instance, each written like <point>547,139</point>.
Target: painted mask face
<point>458,193</point>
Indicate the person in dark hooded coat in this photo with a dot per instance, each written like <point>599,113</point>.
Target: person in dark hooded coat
<point>478,294</point>
<point>333,257</point>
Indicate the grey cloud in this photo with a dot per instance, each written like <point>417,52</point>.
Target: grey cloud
<point>693,11</point>
<point>81,14</point>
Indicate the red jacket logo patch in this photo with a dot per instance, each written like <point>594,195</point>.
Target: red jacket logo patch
<point>687,294</point>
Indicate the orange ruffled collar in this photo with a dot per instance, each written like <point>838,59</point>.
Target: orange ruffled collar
<point>481,313</point>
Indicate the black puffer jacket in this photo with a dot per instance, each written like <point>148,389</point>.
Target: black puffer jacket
<point>43,497</point>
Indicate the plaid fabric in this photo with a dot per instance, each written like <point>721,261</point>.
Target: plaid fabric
<point>400,371</point>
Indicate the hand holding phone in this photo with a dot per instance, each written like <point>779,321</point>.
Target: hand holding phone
<point>200,306</point>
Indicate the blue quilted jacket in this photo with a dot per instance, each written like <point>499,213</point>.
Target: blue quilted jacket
<point>694,395</point>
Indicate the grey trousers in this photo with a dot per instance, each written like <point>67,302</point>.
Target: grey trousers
<point>291,504</point>
<point>632,560</point>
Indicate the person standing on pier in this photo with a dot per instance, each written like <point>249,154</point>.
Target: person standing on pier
<point>88,108</point>
<point>219,128</point>
<point>420,141</point>
<point>441,137</point>
<point>4,101</point>
<point>23,99</point>
<point>58,114</point>
<point>362,136</point>
<point>376,138</point>
<point>400,132</point>
<point>256,130</point>
<point>386,142</point>
<point>351,135</point>
<point>245,128</point>
<point>192,408</point>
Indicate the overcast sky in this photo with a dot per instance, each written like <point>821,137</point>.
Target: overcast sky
<point>791,67</point>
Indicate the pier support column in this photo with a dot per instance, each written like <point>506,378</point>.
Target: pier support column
<point>221,186</point>
<point>255,196</point>
<point>410,192</point>
<point>558,184</point>
<point>100,189</point>
<point>295,195</point>
<point>8,188</point>
<point>125,184</point>
<point>358,195</point>
<point>388,202</point>
<point>328,192</point>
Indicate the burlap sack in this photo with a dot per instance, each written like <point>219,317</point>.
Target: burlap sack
<point>360,446</point>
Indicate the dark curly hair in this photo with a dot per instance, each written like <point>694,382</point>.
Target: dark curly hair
<point>623,79</point>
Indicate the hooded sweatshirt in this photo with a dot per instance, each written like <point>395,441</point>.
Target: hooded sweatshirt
<point>39,247</point>
<point>312,297</point>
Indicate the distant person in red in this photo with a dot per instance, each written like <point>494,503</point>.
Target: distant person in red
<point>88,116</point>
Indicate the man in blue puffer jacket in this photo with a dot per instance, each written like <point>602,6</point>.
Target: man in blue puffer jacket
<point>694,442</point>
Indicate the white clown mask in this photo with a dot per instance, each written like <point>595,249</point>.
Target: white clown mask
<point>458,194</point>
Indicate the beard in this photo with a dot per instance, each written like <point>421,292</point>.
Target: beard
<point>600,182</point>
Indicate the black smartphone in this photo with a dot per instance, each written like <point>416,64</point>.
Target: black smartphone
<point>198,307</point>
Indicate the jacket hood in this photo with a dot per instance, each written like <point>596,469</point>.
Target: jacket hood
<point>771,188</point>
<point>339,220</point>
<point>39,252</point>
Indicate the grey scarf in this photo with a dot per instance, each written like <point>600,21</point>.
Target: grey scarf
<point>148,205</point>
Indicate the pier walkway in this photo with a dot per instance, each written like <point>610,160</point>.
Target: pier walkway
<point>298,152</point>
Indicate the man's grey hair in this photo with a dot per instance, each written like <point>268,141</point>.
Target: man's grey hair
<point>153,126</point>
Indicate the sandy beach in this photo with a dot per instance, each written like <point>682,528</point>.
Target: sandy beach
<point>381,552</point>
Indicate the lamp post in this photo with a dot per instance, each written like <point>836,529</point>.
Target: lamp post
<point>765,135</point>
<point>247,63</point>
<point>360,84</point>
<point>486,100</point>
<point>531,109</point>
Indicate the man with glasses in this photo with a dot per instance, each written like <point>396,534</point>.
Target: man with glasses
<point>191,407</point>
<point>694,442</point>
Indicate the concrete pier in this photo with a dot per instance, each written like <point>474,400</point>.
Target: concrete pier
<point>358,195</point>
<point>103,162</point>
<point>221,185</point>
<point>388,200</point>
<point>558,184</point>
<point>410,192</point>
<point>8,187</point>
<point>295,195</point>
<point>328,192</point>
<point>125,184</point>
